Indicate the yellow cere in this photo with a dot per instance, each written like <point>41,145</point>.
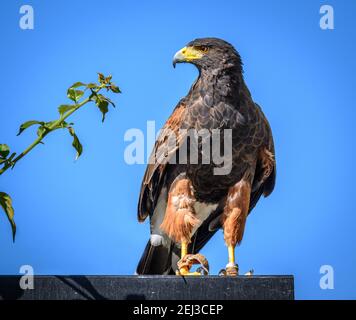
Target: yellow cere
<point>190,53</point>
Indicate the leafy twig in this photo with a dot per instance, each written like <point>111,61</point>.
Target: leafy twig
<point>75,93</point>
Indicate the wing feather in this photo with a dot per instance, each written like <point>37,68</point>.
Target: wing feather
<point>166,146</point>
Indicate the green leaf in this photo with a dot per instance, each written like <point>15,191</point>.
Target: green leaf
<point>4,151</point>
<point>62,109</point>
<point>74,95</point>
<point>115,89</point>
<point>103,105</point>
<point>76,143</point>
<point>28,124</point>
<point>71,94</point>
<point>6,204</point>
<point>108,79</point>
<point>108,100</point>
<point>101,77</point>
<point>91,85</point>
<point>78,84</point>
<point>100,97</point>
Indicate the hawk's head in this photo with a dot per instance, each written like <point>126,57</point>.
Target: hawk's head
<point>209,54</point>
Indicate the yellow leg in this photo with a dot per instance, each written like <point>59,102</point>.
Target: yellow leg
<point>231,251</point>
<point>184,271</point>
<point>232,268</point>
<point>184,250</point>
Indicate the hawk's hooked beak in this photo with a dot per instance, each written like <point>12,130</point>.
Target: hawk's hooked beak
<point>187,54</point>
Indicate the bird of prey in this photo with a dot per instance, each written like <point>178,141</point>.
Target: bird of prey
<point>186,201</point>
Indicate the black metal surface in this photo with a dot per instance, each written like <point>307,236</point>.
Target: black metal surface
<point>149,288</point>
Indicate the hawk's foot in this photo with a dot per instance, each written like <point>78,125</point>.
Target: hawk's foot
<point>231,270</point>
<point>186,263</point>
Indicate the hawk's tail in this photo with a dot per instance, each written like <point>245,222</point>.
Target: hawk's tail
<point>155,260</point>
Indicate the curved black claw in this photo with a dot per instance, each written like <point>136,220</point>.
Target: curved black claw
<point>202,271</point>
<point>222,273</point>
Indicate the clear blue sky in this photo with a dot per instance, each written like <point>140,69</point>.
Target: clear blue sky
<point>80,217</point>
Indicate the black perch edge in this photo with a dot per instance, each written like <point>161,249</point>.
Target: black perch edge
<point>149,288</point>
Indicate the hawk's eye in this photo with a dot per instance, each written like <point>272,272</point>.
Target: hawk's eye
<point>203,49</point>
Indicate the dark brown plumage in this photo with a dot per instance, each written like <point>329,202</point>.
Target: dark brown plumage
<point>199,201</point>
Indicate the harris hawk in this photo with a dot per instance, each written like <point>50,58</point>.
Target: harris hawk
<point>186,201</point>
